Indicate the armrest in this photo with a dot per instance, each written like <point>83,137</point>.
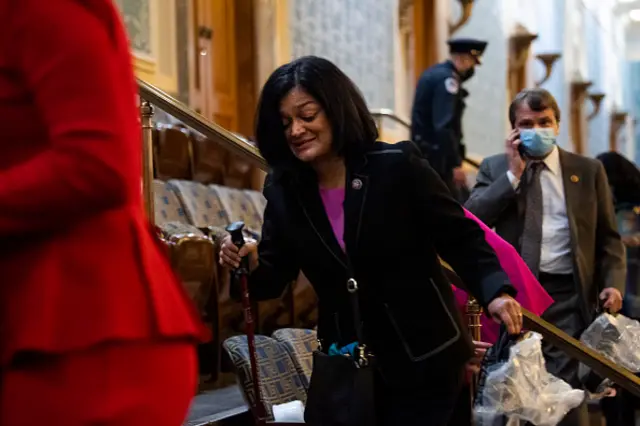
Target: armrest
<point>215,233</point>
<point>192,256</point>
<point>176,230</point>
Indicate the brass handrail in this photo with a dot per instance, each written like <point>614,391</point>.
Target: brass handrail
<point>569,345</point>
<point>575,349</point>
<point>390,114</point>
<point>235,144</point>
<point>200,124</point>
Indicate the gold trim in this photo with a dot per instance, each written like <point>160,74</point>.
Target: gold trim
<point>144,65</point>
<point>146,69</point>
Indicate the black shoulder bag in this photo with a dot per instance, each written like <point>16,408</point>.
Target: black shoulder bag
<point>341,392</point>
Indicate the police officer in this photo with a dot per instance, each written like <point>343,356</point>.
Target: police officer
<point>436,116</point>
<point>463,190</point>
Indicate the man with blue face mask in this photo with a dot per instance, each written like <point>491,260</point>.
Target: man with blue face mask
<point>556,208</point>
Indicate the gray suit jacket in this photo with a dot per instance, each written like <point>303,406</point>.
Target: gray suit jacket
<point>598,252</point>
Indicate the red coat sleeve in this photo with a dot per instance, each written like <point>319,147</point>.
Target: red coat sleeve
<point>72,64</point>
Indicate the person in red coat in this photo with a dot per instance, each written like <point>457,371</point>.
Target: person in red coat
<point>94,326</point>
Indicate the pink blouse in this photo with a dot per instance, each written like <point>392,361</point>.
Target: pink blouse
<point>333,200</point>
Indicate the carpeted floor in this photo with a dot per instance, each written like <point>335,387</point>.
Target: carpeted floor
<point>215,405</point>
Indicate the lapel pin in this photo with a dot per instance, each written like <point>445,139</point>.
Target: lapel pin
<point>575,179</point>
<point>356,184</point>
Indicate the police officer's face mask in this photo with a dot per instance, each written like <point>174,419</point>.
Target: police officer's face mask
<point>537,142</point>
<point>466,75</point>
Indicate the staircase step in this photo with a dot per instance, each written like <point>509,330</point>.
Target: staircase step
<point>218,406</point>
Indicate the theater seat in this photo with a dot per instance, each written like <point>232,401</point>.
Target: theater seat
<point>190,250</point>
<point>205,212</point>
<point>238,205</point>
<point>300,343</point>
<point>192,256</point>
<point>192,210</point>
<point>172,156</point>
<point>209,160</point>
<point>211,209</point>
<point>259,202</point>
<point>202,207</point>
<point>280,381</point>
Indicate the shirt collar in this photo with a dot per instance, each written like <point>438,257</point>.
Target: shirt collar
<point>552,161</point>
<point>450,64</point>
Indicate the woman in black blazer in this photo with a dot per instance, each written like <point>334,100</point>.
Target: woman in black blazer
<point>396,217</point>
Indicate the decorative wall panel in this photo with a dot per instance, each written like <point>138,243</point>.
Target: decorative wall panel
<point>137,19</point>
<point>152,29</point>
<point>357,35</point>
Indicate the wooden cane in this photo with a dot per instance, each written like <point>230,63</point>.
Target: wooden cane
<point>241,274</point>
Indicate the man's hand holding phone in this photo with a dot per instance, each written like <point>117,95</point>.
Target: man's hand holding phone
<point>516,161</point>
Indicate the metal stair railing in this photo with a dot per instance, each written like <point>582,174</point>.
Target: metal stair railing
<point>381,113</point>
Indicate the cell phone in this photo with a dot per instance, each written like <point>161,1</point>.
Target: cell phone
<point>521,149</point>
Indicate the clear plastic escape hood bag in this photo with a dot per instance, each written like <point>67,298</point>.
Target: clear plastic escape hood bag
<point>521,390</point>
<point>617,338</point>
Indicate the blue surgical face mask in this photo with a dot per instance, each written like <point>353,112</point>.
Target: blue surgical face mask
<point>537,142</point>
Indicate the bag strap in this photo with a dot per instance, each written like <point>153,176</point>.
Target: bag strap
<point>353,289</point>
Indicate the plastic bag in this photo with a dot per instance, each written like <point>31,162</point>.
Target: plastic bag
<point>617,338</point>
<point>521,390</point>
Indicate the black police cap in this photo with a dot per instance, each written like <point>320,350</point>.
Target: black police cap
<point>468,45</point>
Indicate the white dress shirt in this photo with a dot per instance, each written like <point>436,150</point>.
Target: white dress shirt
<point>555,250</point>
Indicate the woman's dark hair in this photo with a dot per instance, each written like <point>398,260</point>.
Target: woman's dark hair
<point>536,99</point>
<point>353,127</point>
<point>623,177</point>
